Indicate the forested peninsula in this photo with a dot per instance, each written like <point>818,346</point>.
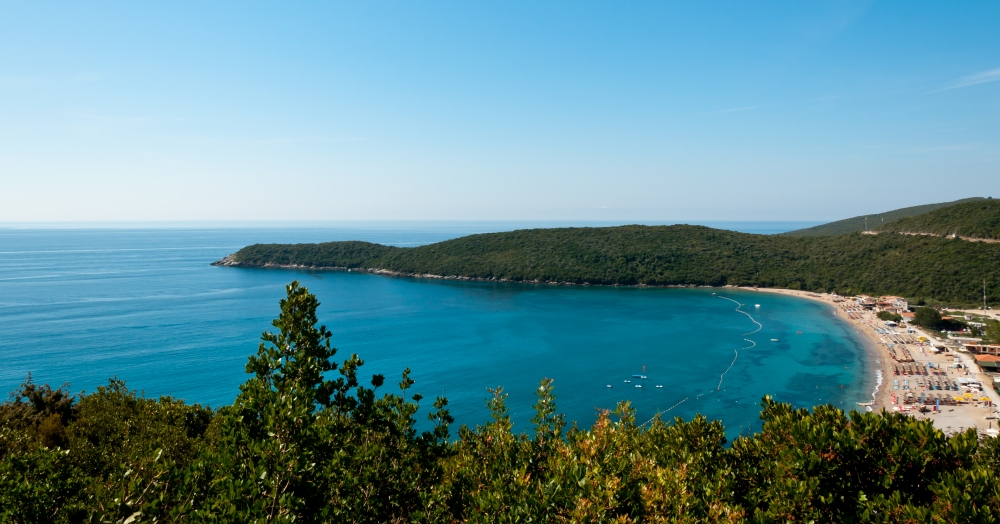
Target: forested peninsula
<point>919,267</point>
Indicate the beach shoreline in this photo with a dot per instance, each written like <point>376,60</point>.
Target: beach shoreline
<point>950,418</point>
<point>878,355</point>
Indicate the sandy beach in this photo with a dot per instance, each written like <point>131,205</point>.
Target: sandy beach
<point>950,418</point>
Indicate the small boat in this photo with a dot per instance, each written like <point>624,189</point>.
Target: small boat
<point>609,385</point>
<point>627,380</point>
<point>774,340</point>
<point>638,376</point>
<point>638,385</point>
<point>756,305</point>
<point>659,386</point>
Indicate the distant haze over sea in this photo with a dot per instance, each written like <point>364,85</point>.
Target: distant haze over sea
<point>438,230</point>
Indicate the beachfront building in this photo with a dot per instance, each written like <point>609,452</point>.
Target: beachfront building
<point>866,302</point>
<point>988,363</point>
<point>894,304</point>
<point>978,348</point>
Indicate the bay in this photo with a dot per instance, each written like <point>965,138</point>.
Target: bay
<point>142,304</point>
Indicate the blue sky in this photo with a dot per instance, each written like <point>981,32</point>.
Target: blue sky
<point>472,110</point>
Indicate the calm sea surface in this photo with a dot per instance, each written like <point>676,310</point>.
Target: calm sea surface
<point>144,305</point>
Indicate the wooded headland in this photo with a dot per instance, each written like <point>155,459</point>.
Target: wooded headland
<point>921,268</point>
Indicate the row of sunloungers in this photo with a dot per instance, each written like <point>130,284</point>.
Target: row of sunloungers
<point>909,368</point>
<point>937,383</point>
<point>930,399</point>
<point>896,338</point>
<point>900,354</point>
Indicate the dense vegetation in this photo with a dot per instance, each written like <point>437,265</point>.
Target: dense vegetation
<point>918,267</point>
<point>886,315</point>
<point>931,318</point>
<point>859,223</point>
<point>977,219</point>
<point>306,441</point>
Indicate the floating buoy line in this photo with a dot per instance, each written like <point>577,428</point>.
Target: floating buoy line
<point>736,355</point>
<point>752,343</point>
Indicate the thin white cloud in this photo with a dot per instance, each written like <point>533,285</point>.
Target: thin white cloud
<point>985,77</point>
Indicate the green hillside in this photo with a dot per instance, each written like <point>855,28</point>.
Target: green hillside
<point>857,224</point>
<point>976,219</point>
<point>913,266</point>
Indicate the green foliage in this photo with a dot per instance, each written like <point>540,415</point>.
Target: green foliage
<point>886,315</point>
<point>927,317</point>
<point>41,485</point>
<point>828,466</point>
<point>912,266</point>
<point>976,219</point>
<point>41,411</point>
<point>931,318</point>
<point>117,454</point>
<point>992,331</point>
<point>299,446</point>
<point>858,224</point>
<point>306,442</point>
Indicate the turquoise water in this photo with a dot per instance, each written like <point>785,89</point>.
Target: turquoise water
<point>145,306</point>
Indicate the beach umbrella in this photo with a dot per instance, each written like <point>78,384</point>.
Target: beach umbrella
<point>984,399</point>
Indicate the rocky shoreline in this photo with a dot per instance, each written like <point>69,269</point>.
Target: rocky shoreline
<point>230,261</point>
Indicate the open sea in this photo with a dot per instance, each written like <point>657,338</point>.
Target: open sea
<point>82,305</point>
